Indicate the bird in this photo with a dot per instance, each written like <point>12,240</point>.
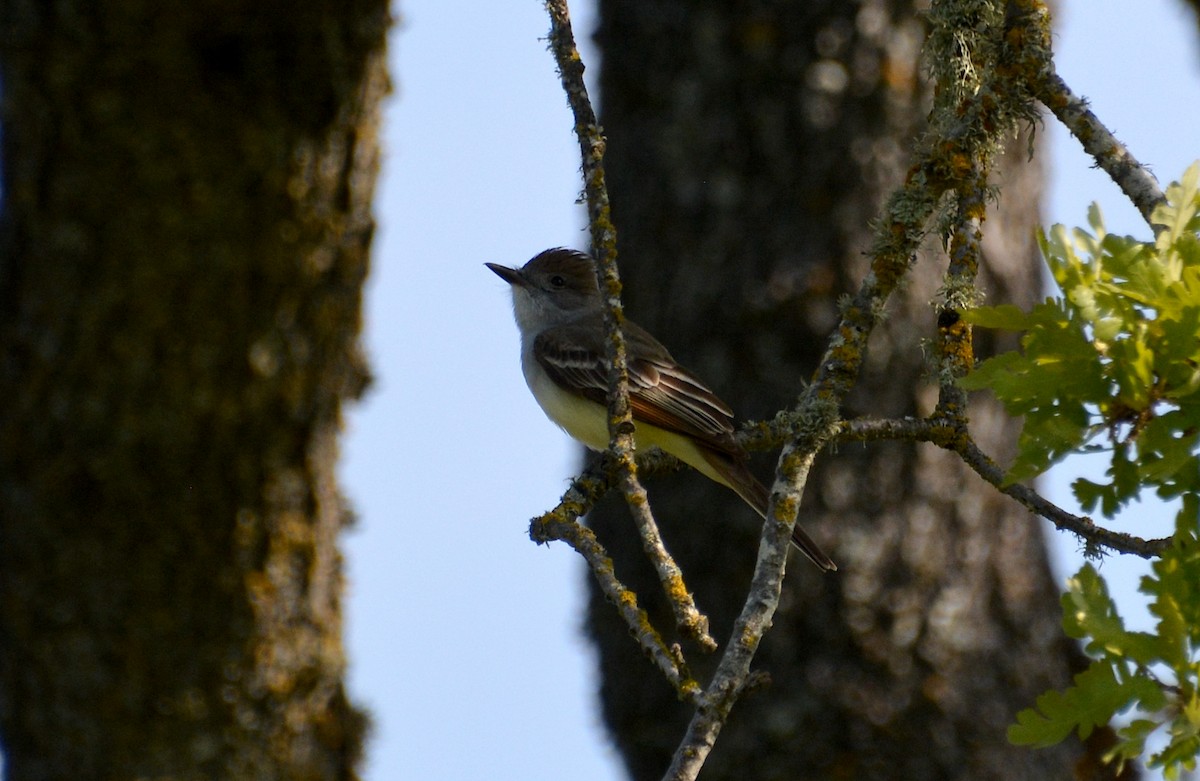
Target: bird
<point>560,315</point>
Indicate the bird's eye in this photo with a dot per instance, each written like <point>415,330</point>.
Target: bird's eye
<point>558,280</point>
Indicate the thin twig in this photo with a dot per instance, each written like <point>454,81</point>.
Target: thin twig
<point>561,524</point>
<point>956,348</point>
<point>1113,157</point>
<point>1134,179</point>
<point>1092,534</point>
<point>691,622</point>
<point>947,434</point>
<point>940,430</point>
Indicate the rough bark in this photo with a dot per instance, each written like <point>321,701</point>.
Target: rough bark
<point>184,236</point>
<point>750,146</point>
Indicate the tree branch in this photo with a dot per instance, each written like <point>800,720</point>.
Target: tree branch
<point>562,523</point>
<point>733,676</point>
<point>948,434</point>
<point>972,113</point>
<point>1134,179</point>
<point>691,622</point>
<point>816,417</point>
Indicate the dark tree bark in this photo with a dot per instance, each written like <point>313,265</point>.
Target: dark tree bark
<point>183,242</point>
<point>750,146</point>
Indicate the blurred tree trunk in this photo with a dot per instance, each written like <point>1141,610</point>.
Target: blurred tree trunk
<point>1195,4</point>
<point>750,146</point>
<point>184,236</point>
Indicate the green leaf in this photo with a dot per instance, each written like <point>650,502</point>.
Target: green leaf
<point>1132,741</point>
<point>1113,365</point>
<point>1182,205</point>
<point>1180,754</point>
<point>1045,440</point>
<point>1090,703</point>
<point>1089,494</point>
<point>1089,612</point>
<point>1004,317</point>
<point>995,372</point>
<point>1174,588</point>
<point>1133,369</point>
<point>1095,219</point>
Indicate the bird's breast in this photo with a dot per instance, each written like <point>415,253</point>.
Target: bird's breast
<point>584,420</point>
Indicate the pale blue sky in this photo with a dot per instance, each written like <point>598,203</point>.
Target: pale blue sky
<point>465,638</point>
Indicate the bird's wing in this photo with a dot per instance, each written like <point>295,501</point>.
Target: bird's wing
<point>661,392</point>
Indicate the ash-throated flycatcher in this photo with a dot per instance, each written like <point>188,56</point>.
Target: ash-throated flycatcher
<point>560,315</point>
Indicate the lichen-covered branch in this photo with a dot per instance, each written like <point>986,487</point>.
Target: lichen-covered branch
<point>955,345</point>
<point>1094,536</point>
<point>691,622</point>
<point>1036,68</point>
<point>562,524</point>
<point>1113,157</point>
<point>939,429</point>
<point>949,434</point>
<point>733,671</point>
<point>973,112</point>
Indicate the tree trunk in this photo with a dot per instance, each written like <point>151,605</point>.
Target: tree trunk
<point>184,238</point>
<point>750,147</point>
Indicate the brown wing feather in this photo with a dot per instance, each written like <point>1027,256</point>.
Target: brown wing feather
<point>664,394</point>
<point>661,392</point>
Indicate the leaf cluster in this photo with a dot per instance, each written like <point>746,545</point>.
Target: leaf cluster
<point>1113,364</point>
<point>1156,672</point>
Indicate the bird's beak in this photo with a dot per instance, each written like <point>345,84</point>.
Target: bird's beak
<point>510,275</point>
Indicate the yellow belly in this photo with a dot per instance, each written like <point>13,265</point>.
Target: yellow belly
<point>587,422</point>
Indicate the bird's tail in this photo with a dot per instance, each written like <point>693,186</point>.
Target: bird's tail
<point>738,477</point>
